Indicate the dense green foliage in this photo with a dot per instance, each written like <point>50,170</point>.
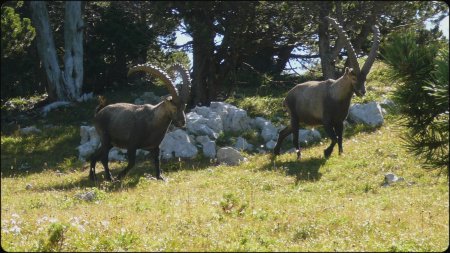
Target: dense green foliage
<point>420,67</point>
<point>17,37</point>
<point>120,34</point>
<point>230,41</point>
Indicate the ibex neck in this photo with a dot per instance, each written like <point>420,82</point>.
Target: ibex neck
<point>341,89</point>
<point>161,114</point>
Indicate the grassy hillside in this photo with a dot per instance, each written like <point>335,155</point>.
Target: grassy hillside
<point>265,204</point>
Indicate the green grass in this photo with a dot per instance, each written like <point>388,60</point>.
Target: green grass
<point>265,204</point>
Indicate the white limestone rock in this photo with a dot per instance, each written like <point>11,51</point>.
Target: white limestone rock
<point>233,118</point>
<point>368,114</point>
<point>271,144</point>
<point>198,125</point>
<point>229,156</point>
<point>308,136</point>
<point>209,149</point>
<point>242,144</point>
<point>178,144</point>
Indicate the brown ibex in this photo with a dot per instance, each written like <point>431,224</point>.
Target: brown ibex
<point>135,127</point>
<point>327,102</point>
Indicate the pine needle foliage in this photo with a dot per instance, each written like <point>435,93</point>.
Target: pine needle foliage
<point>420,67</point>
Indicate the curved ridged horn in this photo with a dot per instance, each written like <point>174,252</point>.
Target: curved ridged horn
<point>185,87</point>
<point>155,71</point>
<point>350,51</point>
<point>373,51</point>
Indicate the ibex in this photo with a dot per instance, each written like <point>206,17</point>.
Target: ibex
<point>135,127</point>
<point>327,102</point>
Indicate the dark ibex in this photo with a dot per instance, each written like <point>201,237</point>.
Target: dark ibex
<point>327,102</point>
<point>135,127</point>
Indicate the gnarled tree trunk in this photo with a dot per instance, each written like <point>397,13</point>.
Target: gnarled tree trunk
<point>73,46</point>
<point>62,84</point>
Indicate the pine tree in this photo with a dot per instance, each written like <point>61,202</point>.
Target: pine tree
<point>421,69</point>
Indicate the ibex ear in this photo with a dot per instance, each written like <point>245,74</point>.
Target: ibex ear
<point>168,98</point>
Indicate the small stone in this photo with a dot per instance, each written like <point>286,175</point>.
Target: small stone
<point>229,156</point>
<point>88,196</point>
<point>28,187</point>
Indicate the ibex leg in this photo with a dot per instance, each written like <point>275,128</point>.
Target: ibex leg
<point>339,129</point>
<point>131,152</point>
<point>281,136</point>
<point>99,155</point>
<point>104,160</point>
<point>295,126</point>
<point>332,134</point>
<point>155,155</point>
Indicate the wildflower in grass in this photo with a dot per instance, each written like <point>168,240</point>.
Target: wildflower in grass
<point>78,223</point>
<point>12,225</point>
<point>104,223</point>
<point>41,222</point>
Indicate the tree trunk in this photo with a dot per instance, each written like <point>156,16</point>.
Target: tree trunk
<point>326,55</point>
<point>46,49</point>
<point>326,60</point>
<point>62,85</point>
<point>73,45</point>
<point>203,61</point>
<point>284,55</point>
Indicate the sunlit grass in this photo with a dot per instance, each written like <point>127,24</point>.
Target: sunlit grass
<point>262,205</point>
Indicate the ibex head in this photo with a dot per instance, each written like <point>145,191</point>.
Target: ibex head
<point>359,84</point>
<point>176,103</point>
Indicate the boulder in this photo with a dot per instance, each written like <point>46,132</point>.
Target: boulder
<point>269,132</point>
<point>368,114</point>
<point>308,136</point>
<point>88,133</point>
<point>233,118</point>
<point>178,144</point>
<point>89,142</point>
<point>214,121</point>
<point>198,125</point>
<point>242,144</point>
<point>390,178</point>
<point>202,139</point>
<point>271,144</point>
<point>117,154</point>
<point>85,150</point>
<point>260,122</point>
<point>229,156</point>
<point>87,196</point>
<point>209,149</point>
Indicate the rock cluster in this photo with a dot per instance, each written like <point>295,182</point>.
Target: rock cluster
<point>204,125</point>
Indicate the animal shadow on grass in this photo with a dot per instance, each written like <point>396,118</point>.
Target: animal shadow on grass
<point>306,169</point>
<point>143,170</point>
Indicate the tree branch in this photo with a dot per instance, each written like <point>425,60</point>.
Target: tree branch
<point>300,56</point>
